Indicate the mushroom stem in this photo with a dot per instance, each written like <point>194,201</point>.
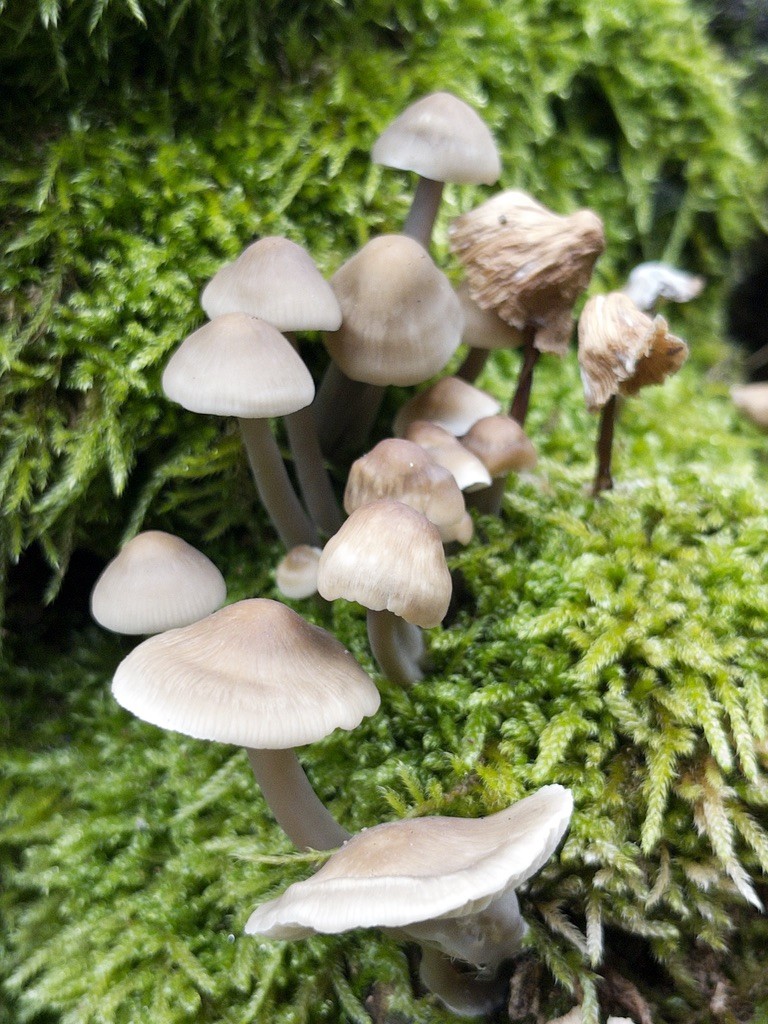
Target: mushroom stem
<point>487,500</point>
<point>314,482</point>
<point>397,646</point>
<point>273,484</point>
<point>519,408</point>
<point>604,448</point>
<point>423,212</point>
<point>465,994</point>
<point>473,365</point>
<point>344,411</point>
<point>299,812</point>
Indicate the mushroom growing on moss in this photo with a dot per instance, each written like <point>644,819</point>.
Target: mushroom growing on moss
<point>446,882</point>
<point>257,675</point>
<point>621,349</point>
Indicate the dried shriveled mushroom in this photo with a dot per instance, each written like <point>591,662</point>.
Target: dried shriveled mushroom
<point>257,675</point>
<point>621,349</point>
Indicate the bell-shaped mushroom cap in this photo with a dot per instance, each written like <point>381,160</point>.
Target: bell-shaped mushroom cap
<point>276,280</point>
<point>446,449</point>
<point>442,138</point>
<point>484,328</point>
<point>238,365</point>
<point>402,470</point>
<point>388,556</point>
<point>156,582</point>
<point>255,674</point>
<point>296,573</point>
<point>402,321</point>
<point>752,400</point>
<point>649,282</point>
<point>501,444</point>
<point>621,349</point>
<point>450,402</point>
<point>528,263</point>
<point>405,872</point>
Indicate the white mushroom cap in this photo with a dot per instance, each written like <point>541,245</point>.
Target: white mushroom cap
<point>752,400</point>
<point>442,138</point>
<point>238,365</point>
<point>450,402</point>
<point>446,449</point>
<point>402,321</point>
<point>296,573</point>
<point>276,280</point>
<point>405,872</point>
<point>388,556</point>
<point>255,674</point>
<point>404,471</point>
<point>156,582</point>
<point>651,281</point>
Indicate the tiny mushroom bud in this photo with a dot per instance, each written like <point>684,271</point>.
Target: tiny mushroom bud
<point>255,674</point>
<point>296,573</point>
<point>389,558</point>
<point>442,139</point>
<point>621,349</point>
<point>156,582</point>
<point>446,882</point>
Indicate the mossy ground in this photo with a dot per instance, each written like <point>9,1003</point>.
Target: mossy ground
<point>616,646</point>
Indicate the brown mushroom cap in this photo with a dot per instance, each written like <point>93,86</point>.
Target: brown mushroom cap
<point>442,138</point>
<point>402,470</point>
<point>388,556</point>
<point>402,321</point>
<point>238,365</point>
<point>411,871</point>
<point>450,402</point>
<point>156,582</point>
<point>501,444</point>
<point>276,280</point>
<point>528,263</point>
<point>622,349</point>
<point>255,674</point>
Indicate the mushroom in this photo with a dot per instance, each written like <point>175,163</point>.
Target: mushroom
<point>255,674</point>
<point>238,365</point>
<point>484,332</point>
<point>529,265</point>
<point>649,282</point>
<point>296,573</point>
<point>450,402</point>
<point>446,450</point>
<point>752,401</point>
<point>401,324</point>
<point>446,882</point>
<point>442,139</point>
<point>503,447</point>
<point>277,280</point>
<point>389,558</point>
<point>621,349</point>
<point>156,582</point>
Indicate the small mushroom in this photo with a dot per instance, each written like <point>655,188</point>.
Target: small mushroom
<point>621,349</point>
<point>450,402</point>
<point>446,882</point>
<point>446,449</point>
<point>238,365</point>
<point>484,332</point>
<point>649,282</point>
<point>156,582</point>
<point>503,447</point>
<point>257,675</point>
<point>442,139</point>
<point>389,558</point>
<point>296,573</point>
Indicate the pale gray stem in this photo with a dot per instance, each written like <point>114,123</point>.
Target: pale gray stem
<point>334,407</point>
<point>465,994</point>
<point>488,500</point>
<point>274,486</point>
<point>299,812</point>
<point>397,646</point>
<point>314,482</point>
<point>423,212</point>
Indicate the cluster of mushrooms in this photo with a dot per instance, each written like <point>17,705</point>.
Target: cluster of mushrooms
<point>255,673</point>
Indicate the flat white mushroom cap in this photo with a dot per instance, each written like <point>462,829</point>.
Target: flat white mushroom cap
<point>405,872</point>
<point>156,582</point>
<point>255,674</point>
<point>276,280</point>
<point>442,138</point>
<point>238,365</point>
<point>388,556</point>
